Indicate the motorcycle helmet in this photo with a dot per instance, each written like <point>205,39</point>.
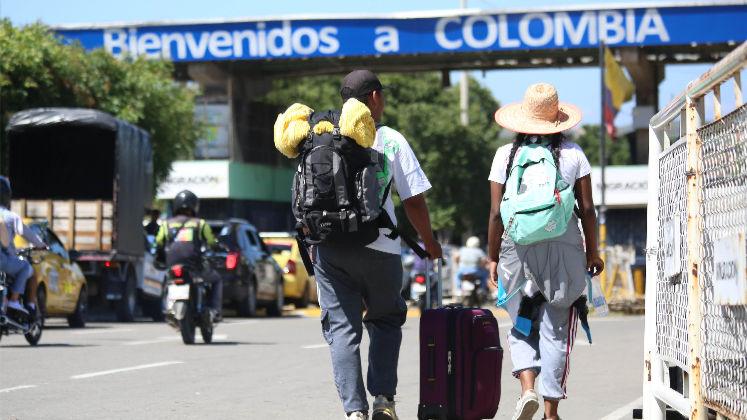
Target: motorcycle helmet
<point>473,242</point>
<point>5,192</point>
<point>186,200</point>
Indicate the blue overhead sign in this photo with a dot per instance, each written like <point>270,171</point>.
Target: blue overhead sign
<point>450,32</point>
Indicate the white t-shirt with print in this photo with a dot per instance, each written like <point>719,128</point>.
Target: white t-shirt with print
<point>408,178</point>
<point>573,163</point>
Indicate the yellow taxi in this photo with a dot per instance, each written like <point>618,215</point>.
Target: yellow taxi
<point>62,288</point>
<point>300,288</point>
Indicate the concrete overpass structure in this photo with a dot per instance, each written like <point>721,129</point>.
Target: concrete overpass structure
<point>235,60</point>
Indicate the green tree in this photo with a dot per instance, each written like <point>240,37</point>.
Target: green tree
<point>617,151</point>
<point>37,69</point>
<point>455,158</point>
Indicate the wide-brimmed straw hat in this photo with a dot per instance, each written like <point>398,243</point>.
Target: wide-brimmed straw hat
<point>539,113</point>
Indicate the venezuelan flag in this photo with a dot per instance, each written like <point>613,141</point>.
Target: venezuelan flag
<point>618,90</point>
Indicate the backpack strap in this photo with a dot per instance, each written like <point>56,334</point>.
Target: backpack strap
<point>300,237</point>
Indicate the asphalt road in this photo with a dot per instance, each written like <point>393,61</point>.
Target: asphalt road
<point>264,368</point>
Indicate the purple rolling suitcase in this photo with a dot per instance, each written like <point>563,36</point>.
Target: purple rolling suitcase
<point>460,362</point>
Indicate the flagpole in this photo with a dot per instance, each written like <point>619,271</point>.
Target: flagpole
<point>602,220</point>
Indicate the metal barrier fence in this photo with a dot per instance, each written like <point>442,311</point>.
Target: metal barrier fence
<point>695,343</point>
<point>723,209</point>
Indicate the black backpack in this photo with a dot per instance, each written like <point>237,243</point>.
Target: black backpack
<point>337,189</point>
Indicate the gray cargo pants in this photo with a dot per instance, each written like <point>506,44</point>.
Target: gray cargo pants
<point>547,349</point>
<point>345,276</point>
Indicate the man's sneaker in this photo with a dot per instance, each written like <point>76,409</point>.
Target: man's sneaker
<point>527,406</point>
<point>18,307</point>
<point>383,409</point>
<point>357,415</point>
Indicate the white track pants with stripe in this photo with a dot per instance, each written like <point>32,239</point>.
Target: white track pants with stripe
<point>547,349</point>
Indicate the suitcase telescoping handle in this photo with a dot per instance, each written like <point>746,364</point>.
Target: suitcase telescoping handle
<point>438,283</point>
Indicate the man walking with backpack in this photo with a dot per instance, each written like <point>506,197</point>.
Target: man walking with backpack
<point>370,273</point>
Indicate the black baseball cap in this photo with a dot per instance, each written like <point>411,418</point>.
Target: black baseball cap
<point>360,82</point>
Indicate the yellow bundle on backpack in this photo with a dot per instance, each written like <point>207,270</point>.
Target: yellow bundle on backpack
<point>292,126</point>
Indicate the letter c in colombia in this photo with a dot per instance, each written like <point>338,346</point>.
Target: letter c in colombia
<point>441,38</point>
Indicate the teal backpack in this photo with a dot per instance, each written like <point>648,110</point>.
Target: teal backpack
<point>537,202</point>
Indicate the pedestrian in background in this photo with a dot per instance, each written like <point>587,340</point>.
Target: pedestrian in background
<point>373,273</point>
<point>153,227</point>
<point>472,260</point>
<point>542,282</point>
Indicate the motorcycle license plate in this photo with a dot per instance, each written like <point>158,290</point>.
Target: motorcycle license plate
<point>418,288</point>
<point>468,286</point>
<point>178,292</point>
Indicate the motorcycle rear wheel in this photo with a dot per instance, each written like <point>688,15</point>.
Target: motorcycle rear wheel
<point>33,336</point>
<point>187,326</point>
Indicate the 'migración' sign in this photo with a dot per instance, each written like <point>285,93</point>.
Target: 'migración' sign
<point>438,32</point>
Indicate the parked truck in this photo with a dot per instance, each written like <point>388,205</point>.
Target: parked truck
<point>91,176</point>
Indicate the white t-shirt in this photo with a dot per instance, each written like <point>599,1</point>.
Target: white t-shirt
<point>573,163</point>
<point>409,179</point>
<point>15,226</point>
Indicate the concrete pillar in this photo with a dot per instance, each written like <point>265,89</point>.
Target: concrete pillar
<point>646,77</point>
<point>223,85</point>
<point>253,120</point>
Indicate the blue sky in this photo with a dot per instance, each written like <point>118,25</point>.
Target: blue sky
<point>577,86</point>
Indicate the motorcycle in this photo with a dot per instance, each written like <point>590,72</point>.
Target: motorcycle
<point>474,295</point>
<point>187,304</point>
<point>418,289</point>
<point>19,323</point>
<point>470,284</point>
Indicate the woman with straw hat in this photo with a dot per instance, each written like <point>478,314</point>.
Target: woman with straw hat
<point>542,283</point>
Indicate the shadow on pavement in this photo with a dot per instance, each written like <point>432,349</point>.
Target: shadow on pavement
<point>63,345</point>
<point>237,343</point>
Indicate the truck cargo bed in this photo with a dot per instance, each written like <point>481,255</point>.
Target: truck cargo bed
<point>81,225</point>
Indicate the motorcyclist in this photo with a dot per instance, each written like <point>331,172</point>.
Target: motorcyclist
<point>21,271</point>
<point>472,260</point>
<point>183,236</point>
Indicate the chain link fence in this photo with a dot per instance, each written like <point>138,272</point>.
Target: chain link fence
<point>723,211</point>
<point>672,299</point>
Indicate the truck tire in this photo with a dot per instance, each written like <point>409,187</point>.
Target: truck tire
<point>78,318</point>
<point>154,307</point>
<point>276,307</point>
<point>248,307</point>
<point>127,304</point>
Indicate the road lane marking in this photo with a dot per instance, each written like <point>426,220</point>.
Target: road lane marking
<point>241,323</point>
<point>116,330</point>
<point>16,388</point>
<point>315,346</point>
<point>158,340</point>
<point>625,411</point>
<point>107,372</point>
<point>169,338</point>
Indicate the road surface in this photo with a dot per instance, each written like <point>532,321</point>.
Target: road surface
<point>264,368</point>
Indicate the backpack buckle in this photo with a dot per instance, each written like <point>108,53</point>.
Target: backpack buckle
<point>336,133</point>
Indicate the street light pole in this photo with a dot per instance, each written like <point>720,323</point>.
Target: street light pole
<point>602,221</point>
<point>464,89</point>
